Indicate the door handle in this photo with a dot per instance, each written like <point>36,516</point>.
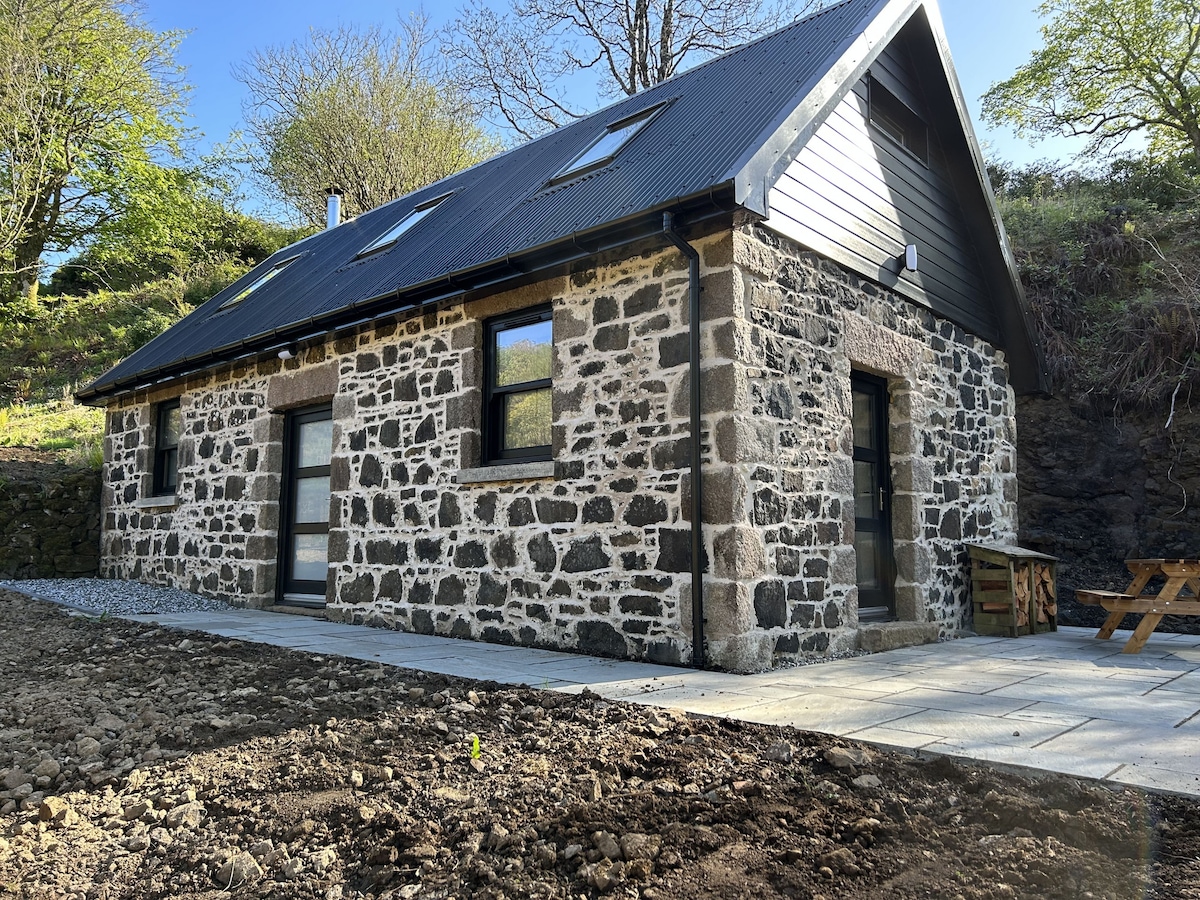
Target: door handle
<point>881,499</point>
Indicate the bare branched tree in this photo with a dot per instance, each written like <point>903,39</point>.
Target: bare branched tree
<point>363,110</point>
<point>527,63</point>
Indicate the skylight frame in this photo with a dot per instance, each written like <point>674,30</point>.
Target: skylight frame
<point>393,234</point>
<point>258,282</point>
<point>585,161</point>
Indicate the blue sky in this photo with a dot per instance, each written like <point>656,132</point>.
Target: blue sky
<point>988,41</point>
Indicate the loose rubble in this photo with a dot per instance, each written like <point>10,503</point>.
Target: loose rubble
<point>138,762</point>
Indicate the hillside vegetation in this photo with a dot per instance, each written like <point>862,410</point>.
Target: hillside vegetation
<point>1111,267</point>
<point>56,344</point>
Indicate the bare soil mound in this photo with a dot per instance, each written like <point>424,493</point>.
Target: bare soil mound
<point>137,762</point>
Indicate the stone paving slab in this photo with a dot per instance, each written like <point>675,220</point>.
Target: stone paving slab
<point>1062,702</point>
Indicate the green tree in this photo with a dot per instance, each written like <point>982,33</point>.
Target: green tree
<point>523,62</point>
<point>90,105</point>
<point>173,220</point>
<point>363,110</point>
<point>1110,69</point>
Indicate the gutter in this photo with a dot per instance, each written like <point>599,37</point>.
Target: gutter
<point>694,411</point>
<point>492,275</point>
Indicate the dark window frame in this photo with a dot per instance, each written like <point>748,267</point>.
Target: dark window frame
<point>257,283</point>
<point>494,395</point>
<point>388,239</point>
<point>894,119</point>
<point>293,473</point>
<point>166,456</point>
<point>637,122</point>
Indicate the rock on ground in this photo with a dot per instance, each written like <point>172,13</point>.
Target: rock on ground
<point>137,762</point>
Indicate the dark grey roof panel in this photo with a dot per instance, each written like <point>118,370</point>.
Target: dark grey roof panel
<point>727,127</point>
<point>502,207</point>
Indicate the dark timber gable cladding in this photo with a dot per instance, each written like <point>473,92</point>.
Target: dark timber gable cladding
<point>857,196</point>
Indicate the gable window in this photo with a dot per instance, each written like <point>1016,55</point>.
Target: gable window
<point>517,363</point>
<point>604,148</point>
<point>393,234</point>
<point>166,447</point>
<point>257,283</point>
<point>892,116</point>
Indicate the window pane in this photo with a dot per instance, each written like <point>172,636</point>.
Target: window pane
<point>316,444</point>
<point>863,421</point>
<point>864,489</point>
<point>527,420</point>
<point>608,144</point>
<point>312,500</point>
<point>393,234</point>
<point>256,284</point>
<point>170,469</point>
<point>523,354</point>
<point>170,428</point>
<point>868,569</point>
<point>310,557</point>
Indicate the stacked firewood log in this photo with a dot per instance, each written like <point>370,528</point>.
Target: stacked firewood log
<point>1045,595</point>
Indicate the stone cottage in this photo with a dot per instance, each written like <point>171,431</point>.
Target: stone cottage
<point>721,375</point>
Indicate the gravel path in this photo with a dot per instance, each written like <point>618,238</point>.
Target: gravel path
<point>117,598</point>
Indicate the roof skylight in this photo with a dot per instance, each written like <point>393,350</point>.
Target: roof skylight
<point>257,283</point>
<point>392,235</point>
<point>609,144</point>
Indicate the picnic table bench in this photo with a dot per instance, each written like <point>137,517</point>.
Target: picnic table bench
<point>1180,574</point>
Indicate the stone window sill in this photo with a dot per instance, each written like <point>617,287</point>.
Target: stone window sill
<point>166,501</point>
<point>514,472</point>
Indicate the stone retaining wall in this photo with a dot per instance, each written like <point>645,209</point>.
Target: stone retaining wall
<point>1096,490</point>
<point>49,520</point>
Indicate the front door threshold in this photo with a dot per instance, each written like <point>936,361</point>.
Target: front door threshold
<point>878,636</point>
<point>292,609</point>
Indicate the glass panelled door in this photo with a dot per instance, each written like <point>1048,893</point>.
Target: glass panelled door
<point>305,542</point>
<point>872,499</point>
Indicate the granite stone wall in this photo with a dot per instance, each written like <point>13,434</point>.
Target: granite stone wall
<point>49,520</point>
<point>592,551</point>
<point>801,325</point>
<point>218,534</point>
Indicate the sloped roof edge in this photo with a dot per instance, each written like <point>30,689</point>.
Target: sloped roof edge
<point>699,211</point>
<point>770,155</point>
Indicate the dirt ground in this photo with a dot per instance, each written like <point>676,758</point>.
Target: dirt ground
<point>137,762</point>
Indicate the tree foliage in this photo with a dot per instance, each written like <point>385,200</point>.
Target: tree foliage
<point>1110,261</point>
<point>173,221</point>
<point>1109,69</point>
<point>363,110</point>
<point>523,62</point>
<point>90,105</point>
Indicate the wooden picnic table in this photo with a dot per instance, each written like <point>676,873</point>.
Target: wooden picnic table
<point>1180,574</point>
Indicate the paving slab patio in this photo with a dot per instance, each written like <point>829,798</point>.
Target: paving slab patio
<point>1061,702</point>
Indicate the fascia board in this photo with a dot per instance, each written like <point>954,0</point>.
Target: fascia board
<point>778,144</point>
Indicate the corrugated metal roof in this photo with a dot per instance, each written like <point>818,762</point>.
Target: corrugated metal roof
<point>502,206</point>
<point>720,121</point>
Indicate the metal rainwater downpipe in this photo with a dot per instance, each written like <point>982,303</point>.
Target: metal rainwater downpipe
<point>694,410</point>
